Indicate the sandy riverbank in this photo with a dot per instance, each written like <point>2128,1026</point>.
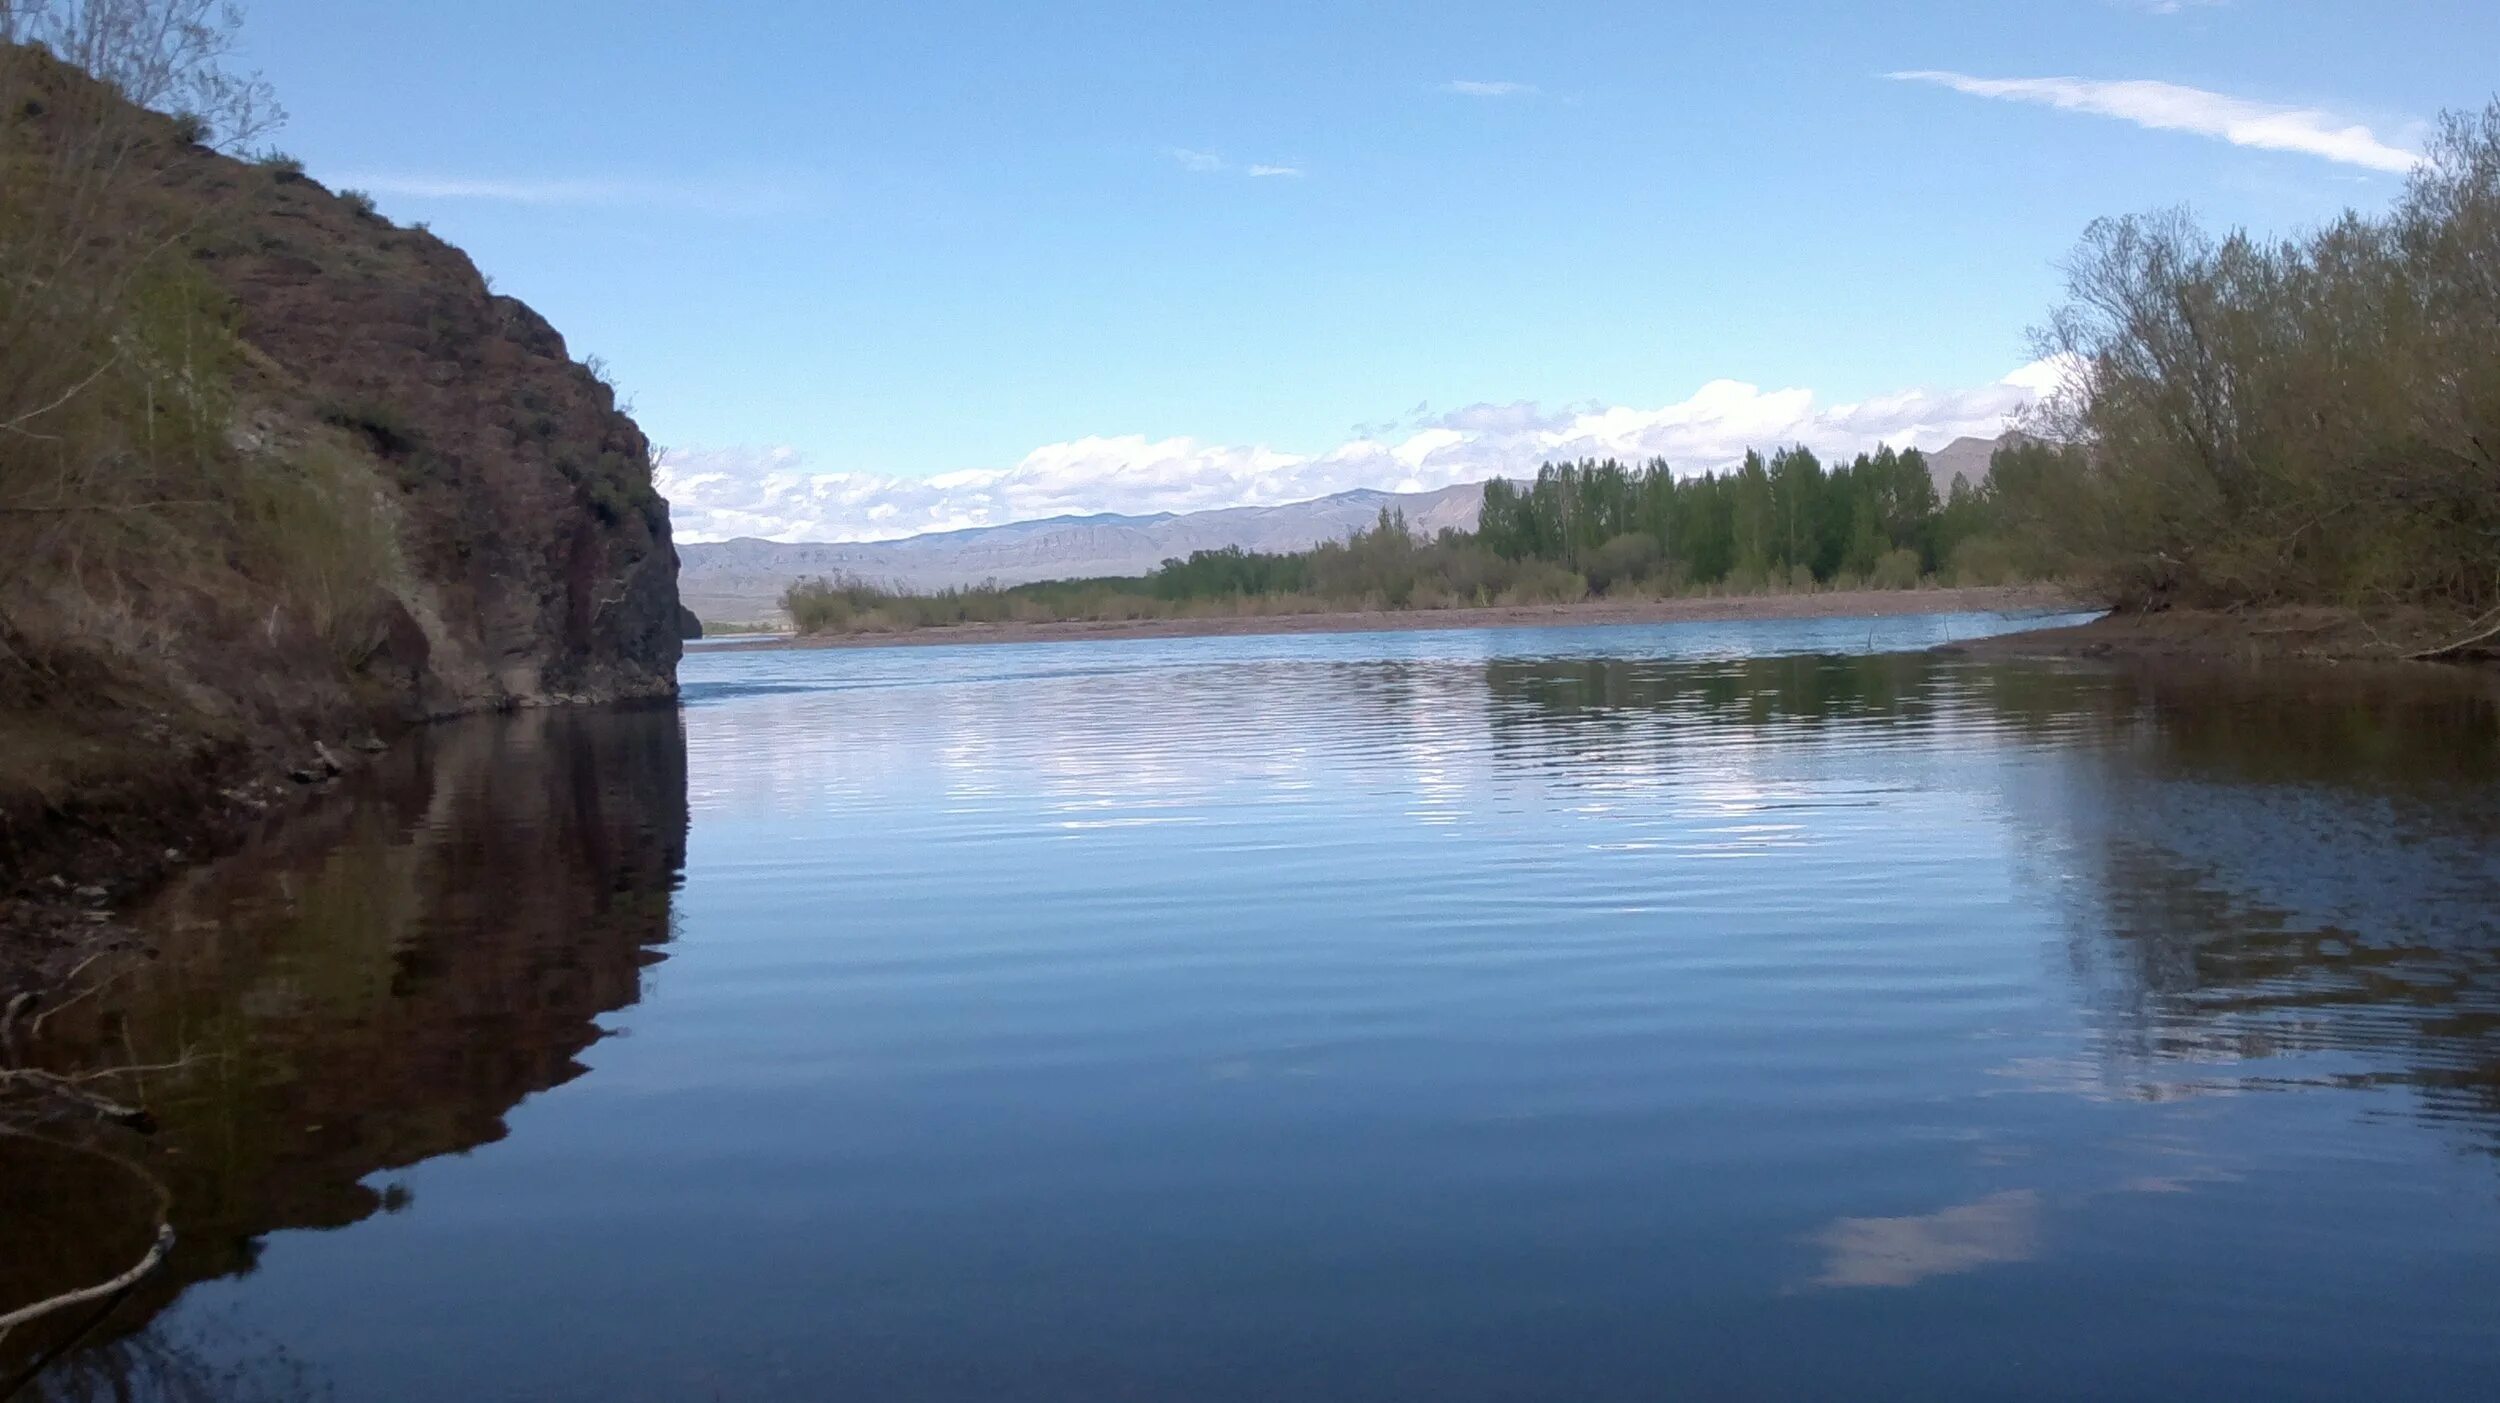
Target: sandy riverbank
<point>1836,604</point>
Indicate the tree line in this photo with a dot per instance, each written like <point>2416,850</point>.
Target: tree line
<point>1577,531</point>
<point>1785,521</point>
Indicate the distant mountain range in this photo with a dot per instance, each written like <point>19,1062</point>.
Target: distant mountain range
<point>1965,458</point>
<point>741,581</point>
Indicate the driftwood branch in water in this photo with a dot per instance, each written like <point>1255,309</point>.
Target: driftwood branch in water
<point>16,1027</point>
<point>70,1089</point>
<point>158,1248</point>
<point>129,1277</point>
<point>11,1055</point>
<point>34,1028</point>
<point>2485,629</point>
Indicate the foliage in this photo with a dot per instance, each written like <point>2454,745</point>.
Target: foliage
<point>1383,567</point>
<point>383,427</point>
<point>1787,518</point>
<point>161,55</point>
<point>2310,420</point>
<point>313,530</point>
<point>132,520</point>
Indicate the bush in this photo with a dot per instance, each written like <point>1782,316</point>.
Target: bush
<point>191,129</point>
<point>1747,577</point>
<point>280,164</point>
<point>314,530</point>
<point>1625,560</point>
<point>358,202</point>
<point>1984,560</point>
<point>383,428</point>
<point>2310,420</point>
<point>1542,582</point>
<point>1896,570</point>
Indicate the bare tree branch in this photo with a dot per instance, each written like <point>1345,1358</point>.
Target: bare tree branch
<point>2484,630</point>
<point>158,1246</point>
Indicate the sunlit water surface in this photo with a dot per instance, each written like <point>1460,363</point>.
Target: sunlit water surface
<point>1731,1010</point>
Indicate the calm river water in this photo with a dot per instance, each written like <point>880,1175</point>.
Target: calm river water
<point>1692,1011</point>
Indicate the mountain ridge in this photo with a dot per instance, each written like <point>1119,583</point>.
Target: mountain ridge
<point>741,579</point>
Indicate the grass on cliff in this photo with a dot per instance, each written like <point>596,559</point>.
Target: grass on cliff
<point>161,554</point>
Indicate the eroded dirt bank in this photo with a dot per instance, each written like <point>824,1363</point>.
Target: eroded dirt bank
<point>2311,633</point>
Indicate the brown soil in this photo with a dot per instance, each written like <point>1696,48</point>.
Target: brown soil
<point>1838,604</point>
<point>2312,632</point>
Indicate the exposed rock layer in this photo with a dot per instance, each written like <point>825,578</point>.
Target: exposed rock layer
<point>512,551</point>
<point>538,565</point>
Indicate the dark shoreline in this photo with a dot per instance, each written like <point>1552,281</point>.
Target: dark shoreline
<point>77,872</point>
<point>2276,633</point>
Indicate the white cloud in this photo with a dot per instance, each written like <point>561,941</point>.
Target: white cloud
<point>706,195</point>
<point>1466,87</point>
<point>719,493</point>
<point>1209,163</point>
<point>2170,107</point>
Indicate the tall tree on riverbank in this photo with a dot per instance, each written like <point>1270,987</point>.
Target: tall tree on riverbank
<point>2313,419</point>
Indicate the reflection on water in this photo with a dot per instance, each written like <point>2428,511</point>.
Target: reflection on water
<point>1595,1013</point>
<point>376,985</point>
<point>2003,1227</point>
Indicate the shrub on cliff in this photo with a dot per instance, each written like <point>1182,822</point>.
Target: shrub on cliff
<point>118,481</point>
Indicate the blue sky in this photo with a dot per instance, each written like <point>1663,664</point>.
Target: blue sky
<point>1139,256</point>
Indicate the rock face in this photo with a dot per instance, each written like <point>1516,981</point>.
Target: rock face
<point>401,498</point>
<point>537,554</point>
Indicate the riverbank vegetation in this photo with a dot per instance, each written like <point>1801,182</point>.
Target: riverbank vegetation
<point>1578,532</point>
<point>2306,421</point>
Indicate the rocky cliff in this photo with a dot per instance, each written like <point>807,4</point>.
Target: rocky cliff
<point>299,476</point>
<point>536,563</point>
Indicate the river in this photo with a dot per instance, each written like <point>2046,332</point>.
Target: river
<point>1714,1010</point>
